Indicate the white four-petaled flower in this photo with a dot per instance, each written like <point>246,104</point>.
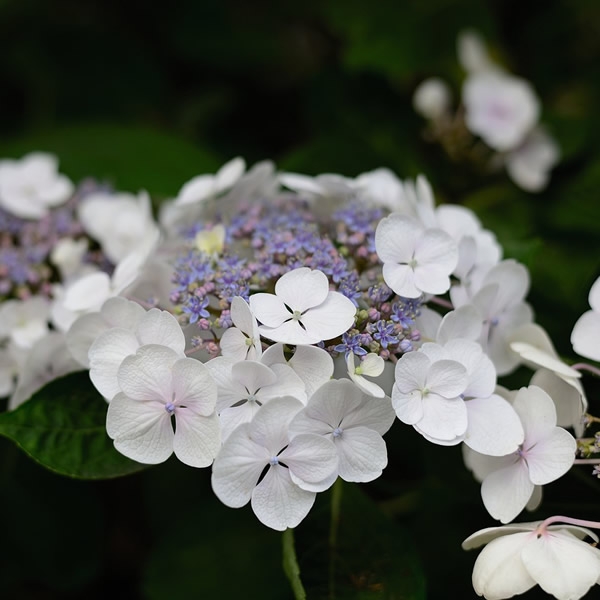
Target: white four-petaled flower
<point>157,386</point>
<point>302,310</point>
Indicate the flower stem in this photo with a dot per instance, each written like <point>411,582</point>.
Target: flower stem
<point>586,367</point>
<point>290,564</point>
<point>336,503</point>
<point>441,302</point>
<point>570,521</point>
<point>587,461</point>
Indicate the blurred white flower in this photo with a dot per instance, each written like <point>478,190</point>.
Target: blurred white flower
<point>529,164</point>
<point>29,187</point>
<point>24,322</point>
<point>500,108</point>
<point>241,342</point>
<point>119,222</point>
<point>432,98</point>
<point>586,332</point>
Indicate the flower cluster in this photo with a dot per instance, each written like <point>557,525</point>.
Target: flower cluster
<point>292,320</point>
<point>498,107</point>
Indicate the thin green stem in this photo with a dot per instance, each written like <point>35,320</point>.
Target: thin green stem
<point>290,565</point>
<point>336,504</point>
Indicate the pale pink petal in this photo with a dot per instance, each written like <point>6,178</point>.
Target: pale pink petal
<point>252,375</point>
<point>410,372</point>
<point>313,365</point>
<point>82,334</point>
<point>88,293</point>
<point>499,571</point>
<point>447,378</point>
<point>586,335</point>
<point>464,322</point>
<point>141,431</point>
<point>147,374</point>
<point>537,413</point>
<point>432,279</point>
<point>194,387</point>
<point>362,454</point>
<point>197,438</point>
<point>290,332</point>
<point>562,565</point>
<point>396,237</point>
<point>506,492</point>
<point>269,309</point>
<point>437,248</point>
<point>233,416</point>
<point>443,419</point>
<point>594,295</point>
<point>287,384</point>
<point>401,279</point>
<point>237,468</point>
<point>278,502</point>
<point>408,407</point>
<point>302,289</point>
<point>551,457</point>
<point>269,428</point>
<point>106,355</point>
<point>312,460</point>
<point>494,427</point>
<point>229,173</point>
<point>161,327</point>
<point>331,318</point>
<point>233,344</point>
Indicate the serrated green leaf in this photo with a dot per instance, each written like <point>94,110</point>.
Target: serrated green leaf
<point>62,427</point>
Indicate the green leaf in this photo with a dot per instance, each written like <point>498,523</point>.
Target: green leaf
<point>368,555</point>
<point>62,427</point>
<point>129,157</point>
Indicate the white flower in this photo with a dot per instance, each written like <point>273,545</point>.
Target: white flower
<point>500,301</point>
<point>115,312</point>
<point>68,255</point>
<point>472,53</point>
<point>9,369</point>
<point>313,365</point>
<point>302,310</point>
<point>47,360</point>
<point>31,186</point>
<point>119,222</point>
<point>203,187</point>
<point>547,453</point>
<point>24,322</point>
<point>426,394</point>
<point>354,422</point>
<point>568,397</point>
<point>529,165</point>
<point>241,342</point>
<point>519,556</point>
<point>297,467</point>
<point>89,292</point>
<point>432,98</point>
<point>327,185</point>
<point>158,385</point>
<point>243,387</point>
<point>586,333</point>
<point>371,365</point>
<point>415,260</point>
<point>500,108</point>
<point>534,346</point>
<point>110,349</point>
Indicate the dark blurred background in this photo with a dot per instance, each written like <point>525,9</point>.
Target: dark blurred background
<point>148,95</point>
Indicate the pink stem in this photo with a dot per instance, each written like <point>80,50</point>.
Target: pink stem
<point>570,521</point>
<point>442,302</point>
<point>586,367</point>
